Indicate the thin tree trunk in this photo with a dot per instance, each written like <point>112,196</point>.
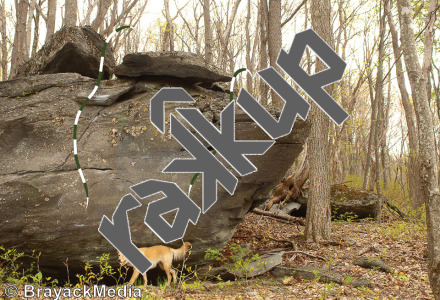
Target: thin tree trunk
<point>414,186</point>
<point>51,18</point>
<point>436,89</point>
<point>36,31</point>
<point>428,44</point>
<point>274,32</point>
<point>372,132</point>
<point>248,48</point>
<point>168,44</point>
<point>427,154</point>
<point>91,5</point>
<point>29,27</point>
<point>263,49</point>
<point>318,218</point>
<point>384,125</point>
<point>208,33</point>
<point>103,7</point>
<point>19,47</point>
<point>225,37</point>
<point>379,107</point>
<point>71,12</point>
<point>4,45</point>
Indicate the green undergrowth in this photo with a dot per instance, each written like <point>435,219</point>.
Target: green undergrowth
<point>23,268</point>
<point>240,260</point>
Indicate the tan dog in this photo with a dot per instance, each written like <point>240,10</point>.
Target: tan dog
<point>161,256</point>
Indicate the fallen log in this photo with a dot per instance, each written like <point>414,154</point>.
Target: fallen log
<point>373,263</point>
<point>278,216</point>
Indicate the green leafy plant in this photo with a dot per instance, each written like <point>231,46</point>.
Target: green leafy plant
<point>348,279</point>
<point>239,262</point>
<point>214,254</point>
<point>21,268</point>
<point>105,270</point>
<point>328,289</point>
<point>343,217</point>
<point>317,277</point>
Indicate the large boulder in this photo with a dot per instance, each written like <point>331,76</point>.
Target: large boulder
<point>70,50</point>
<point>183,65</point>
<point>346,202</point>
<point>42,200</point>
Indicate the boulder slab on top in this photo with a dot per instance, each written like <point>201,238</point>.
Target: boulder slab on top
<point>71,50</point>
<point>174,64</point>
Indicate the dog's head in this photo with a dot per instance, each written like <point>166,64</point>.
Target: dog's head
<point>188,246</point>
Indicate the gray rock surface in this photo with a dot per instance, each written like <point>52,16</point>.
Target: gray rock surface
<point>175,64</point>
<point>345,202</point>
<point>108,93</point>
<point>42,199</point>
<point>70,50</point>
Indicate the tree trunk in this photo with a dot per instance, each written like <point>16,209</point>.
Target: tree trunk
<point>428,44</point>
<point>103,7</point>
<point>51,18</point>
<point>318,218</point>
<point>36,31</point>
<point>263,49</point>
<point>19,47</point>
<point>372,132</point>
<point>249,85</point>
<point>29,28</point>
<point>436,89</point>
<point>274,32</point>
<point>4,45</point>
<point>379,106</point>
<point>196,33</point>
<point>90,6</point>
<point>414,185</point>
<point>427,154</point>
<point>224,39</point>
<point>208,33</point>
<point>384,124</point>
<point>71,12</point>
<point>168,41</point>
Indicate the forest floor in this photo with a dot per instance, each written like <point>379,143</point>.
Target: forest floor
<point>401,245</point>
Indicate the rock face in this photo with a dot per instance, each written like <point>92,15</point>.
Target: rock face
<point>345,201</point>
<point>176,64</point>
<point>42,200</point>
<point>71,50</point>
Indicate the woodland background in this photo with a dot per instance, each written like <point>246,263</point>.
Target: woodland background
<point>390,143</point>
